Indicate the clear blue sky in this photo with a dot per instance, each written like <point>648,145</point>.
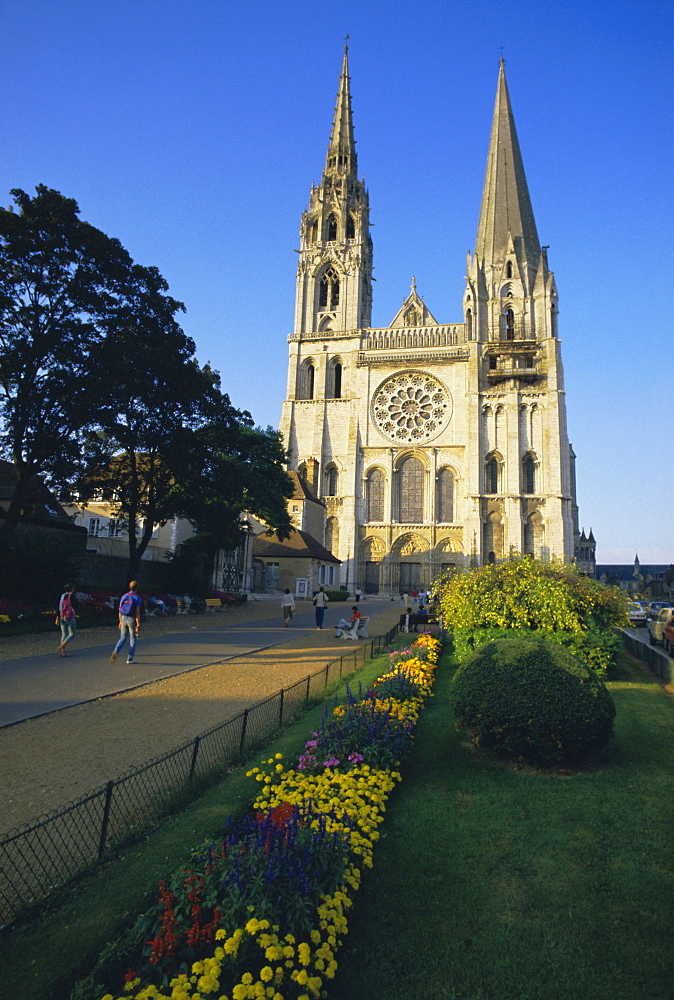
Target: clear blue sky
<point>193,129</point>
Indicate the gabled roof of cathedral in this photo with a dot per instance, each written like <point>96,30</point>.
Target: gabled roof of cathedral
<point>413,308</point>
<point>299,544</point>
<point>341,156</point>
<point>506,205</point>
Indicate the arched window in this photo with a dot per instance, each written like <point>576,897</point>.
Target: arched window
<point>332,227</point>
<point>312,231</point>
<point>331,481</point>
<point>350,227</point>
<point>509,270</point>
<point>510,324</point>
<point>444,503</point>
<point>311,379</point>
<point>529,475</point>
<point>491,486</point>
<point>553,319</point>
<point>375,495</point>
<point>328,294</point>
<point>469,324</point>
<point>335,380</point>
<point>411,491</point>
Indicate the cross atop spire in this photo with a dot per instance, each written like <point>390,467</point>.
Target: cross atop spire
<point>506,206</point>
<point>341,158</point>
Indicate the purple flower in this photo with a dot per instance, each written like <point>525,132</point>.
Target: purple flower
<point>331,762</point>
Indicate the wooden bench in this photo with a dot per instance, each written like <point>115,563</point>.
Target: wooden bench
<point>213,604</point>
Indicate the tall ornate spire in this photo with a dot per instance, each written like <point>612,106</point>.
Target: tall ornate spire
<point>506,206</point>
<point>341,158</point>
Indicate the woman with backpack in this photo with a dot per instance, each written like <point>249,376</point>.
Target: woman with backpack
<point>66,618</point>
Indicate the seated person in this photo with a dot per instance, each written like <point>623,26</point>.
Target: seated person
<point>350,622</point>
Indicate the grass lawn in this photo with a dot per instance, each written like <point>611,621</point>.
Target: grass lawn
<point>496,884</point>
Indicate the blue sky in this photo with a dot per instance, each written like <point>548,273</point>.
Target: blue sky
<point>193,129</point>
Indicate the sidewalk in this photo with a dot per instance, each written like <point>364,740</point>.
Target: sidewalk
<point>35,685</point>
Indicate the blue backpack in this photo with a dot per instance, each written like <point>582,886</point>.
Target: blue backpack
<point>127,604</point>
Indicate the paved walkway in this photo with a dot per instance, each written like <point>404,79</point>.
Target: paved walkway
<point>36,685</point>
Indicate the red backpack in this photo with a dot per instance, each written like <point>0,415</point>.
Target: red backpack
<point>66,609</point>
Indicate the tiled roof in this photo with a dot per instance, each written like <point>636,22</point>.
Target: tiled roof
<point>299,544</point>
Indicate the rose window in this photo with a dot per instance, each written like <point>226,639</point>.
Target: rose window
<point>411,407</point>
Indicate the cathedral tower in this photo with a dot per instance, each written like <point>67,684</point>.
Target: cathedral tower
<point>434,446</point>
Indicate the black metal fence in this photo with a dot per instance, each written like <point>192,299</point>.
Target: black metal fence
<point>656,659</point>
<point>40,856</point>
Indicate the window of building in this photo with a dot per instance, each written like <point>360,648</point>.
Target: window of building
<point>444,511</point>
<point>492,476</point>
<point>312,231</point>
<point>271,576</point>
<point>529,475</point>
<point>493,361</point>
<point>335,380</point>
<point>510,324</point>
<point>332,481</point>
<point>411,491</point>
<point>326,575</point>
<point>509,270</point>
<point>375,495</point>
<point>332,227</point>
<point>350,227</point>
<point>94,525</point>
<point>328,292</point>
<point>115,528</point>
<point>469,324</point>
<point>311,378</point>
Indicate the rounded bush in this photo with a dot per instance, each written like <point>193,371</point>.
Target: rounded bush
<point>532,700</point>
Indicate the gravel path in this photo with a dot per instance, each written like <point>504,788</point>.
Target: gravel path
<point>49,761</point>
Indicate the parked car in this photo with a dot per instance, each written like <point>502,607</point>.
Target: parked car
<point>656,626</point>
<point>655,606</point>
<point>636,614</point>
<point>668,635</point>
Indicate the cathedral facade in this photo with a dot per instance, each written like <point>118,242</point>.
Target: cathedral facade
<point>434,446</point>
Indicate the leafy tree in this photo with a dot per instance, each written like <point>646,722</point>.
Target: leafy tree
<point>60,280</point>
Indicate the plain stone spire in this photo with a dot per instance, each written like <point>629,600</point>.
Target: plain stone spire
<point>341,156</point>
<point>506,206</point>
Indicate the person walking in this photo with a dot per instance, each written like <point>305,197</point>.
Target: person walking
<point>130,605</point>
<point>66,618</point>
<point>288,605</point>
<point>320,603</point>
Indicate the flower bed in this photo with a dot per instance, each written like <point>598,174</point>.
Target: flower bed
<point>260,912</point>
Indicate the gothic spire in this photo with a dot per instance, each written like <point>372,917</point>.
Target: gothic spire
<point>341,156</point>
<point>506,205</point>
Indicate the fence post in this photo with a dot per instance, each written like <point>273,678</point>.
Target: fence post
<point>327,673</point>
<point>306,700</point>
<point>243,730</point>
<point>106,818</point>
<point>280,713</point>
<point>195,752</point>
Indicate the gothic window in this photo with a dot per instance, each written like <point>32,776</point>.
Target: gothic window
<point>444,509</point>
<point>375,495</point>
<point>469,324</point>
<point>509,270</point>
<point>529,475</point>
<point>493,470</point>
<point>328,294</point>
<point>331,481</point>
<point>553,319</point>
<point>411,491</point>
<point>307,380</point>
<point>510,324</point>
<point>312,231</point>
<point>332,227</point>
<point>350,227</point>
<point>335,380</point>
<point>493,359</point>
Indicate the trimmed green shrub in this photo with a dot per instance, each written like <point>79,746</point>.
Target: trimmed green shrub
<point>595,648</point>
<point>533,700</point>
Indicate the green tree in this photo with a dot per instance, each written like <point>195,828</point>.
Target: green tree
<point>60,281</point>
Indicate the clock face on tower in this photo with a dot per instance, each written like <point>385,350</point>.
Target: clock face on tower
<point>411,407</point>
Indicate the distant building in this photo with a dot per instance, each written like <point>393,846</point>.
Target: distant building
<point>108,535</point>
<point>655,582</point>
<point>432,445</point>
<point>299,563</point>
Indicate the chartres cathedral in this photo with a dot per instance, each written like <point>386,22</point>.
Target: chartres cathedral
<point>432,445</point>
